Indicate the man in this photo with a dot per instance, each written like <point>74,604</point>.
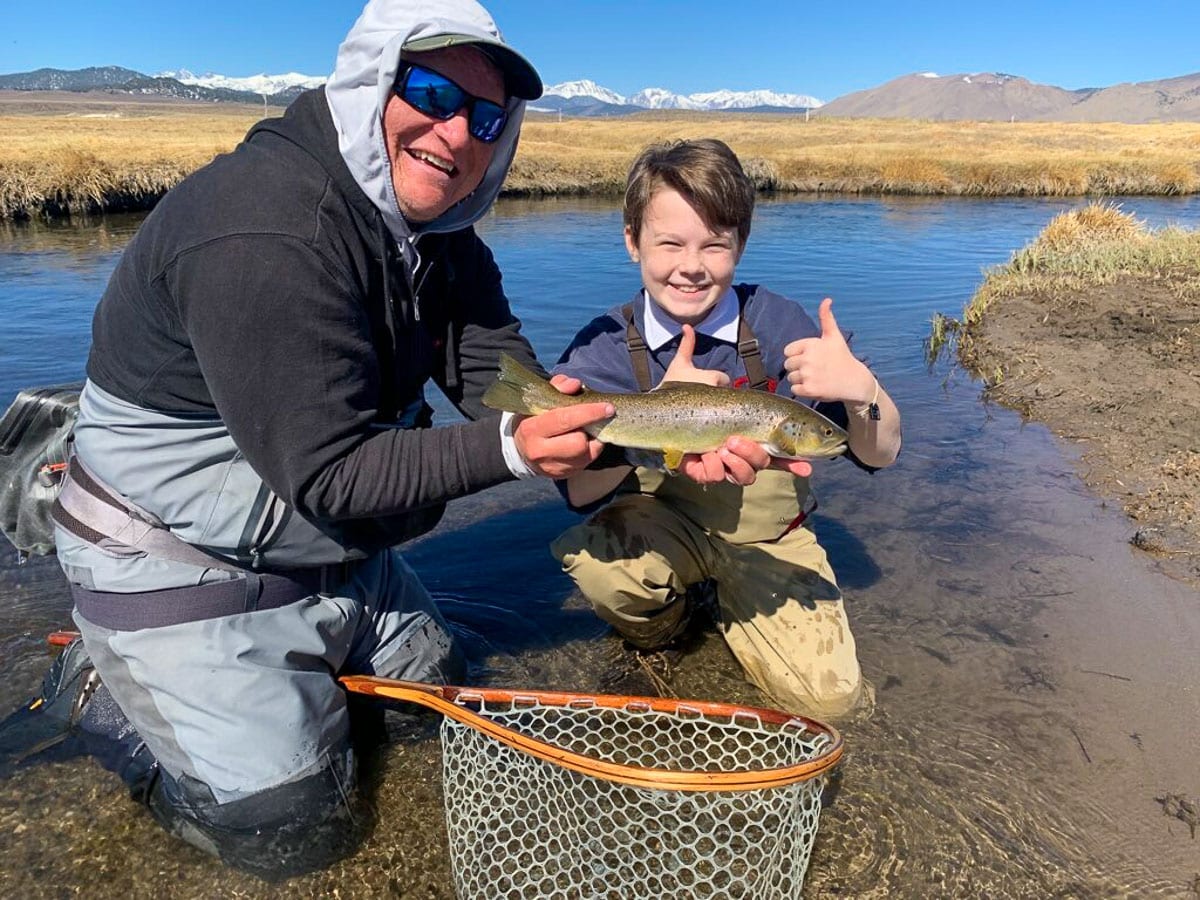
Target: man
<point>253,436</point>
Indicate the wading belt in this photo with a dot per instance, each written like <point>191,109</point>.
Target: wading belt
<point>747,347</point>
<point>96,514</point>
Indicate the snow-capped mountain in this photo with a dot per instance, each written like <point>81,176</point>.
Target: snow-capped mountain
<point>257,84</point>
<point>577,98</point>
<point>583,95</point>
<point>657,98</point>
<point>660,98</point>
<point>747,99</point>
<point>587,89</point>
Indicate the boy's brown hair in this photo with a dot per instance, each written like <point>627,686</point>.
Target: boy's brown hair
<point>704,171</point>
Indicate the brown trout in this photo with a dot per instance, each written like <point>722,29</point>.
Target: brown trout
<point>679,417</point>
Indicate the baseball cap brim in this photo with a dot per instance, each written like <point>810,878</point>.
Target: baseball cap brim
<point>520,77</point>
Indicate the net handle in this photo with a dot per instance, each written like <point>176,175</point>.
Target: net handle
<point>448,700</point>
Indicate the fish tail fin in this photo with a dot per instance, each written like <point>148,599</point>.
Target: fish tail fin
<point>520,390</point>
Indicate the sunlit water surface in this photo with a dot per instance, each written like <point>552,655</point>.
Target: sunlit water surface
<point>1035,677</point>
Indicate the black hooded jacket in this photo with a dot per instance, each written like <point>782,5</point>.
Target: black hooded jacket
<point>266,290</point>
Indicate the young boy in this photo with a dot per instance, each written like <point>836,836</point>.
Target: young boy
<point>731,519</point>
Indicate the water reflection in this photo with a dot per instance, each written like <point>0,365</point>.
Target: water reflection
<point>80,238</point>
<point>1023,725</point>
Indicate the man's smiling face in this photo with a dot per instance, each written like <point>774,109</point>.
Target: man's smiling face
<point>437,163</point>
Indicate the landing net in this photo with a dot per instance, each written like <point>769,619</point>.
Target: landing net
<point>682,800</point>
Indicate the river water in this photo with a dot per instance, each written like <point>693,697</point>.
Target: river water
<point>1036,679</point>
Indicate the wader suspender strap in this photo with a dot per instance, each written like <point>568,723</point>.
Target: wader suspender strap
<point>747,348</point>
<point>90,511</point>
<point>639,353</point>
<point>751,357</point>
<point>94,513</point>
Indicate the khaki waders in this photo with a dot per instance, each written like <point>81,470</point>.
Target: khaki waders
<point>781,611</point>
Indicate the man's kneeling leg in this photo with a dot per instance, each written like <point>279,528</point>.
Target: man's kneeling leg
<point>280,832</point>
<point>299,826</point>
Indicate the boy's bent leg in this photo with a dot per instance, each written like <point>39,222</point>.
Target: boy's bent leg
<point>248,727</point>
<point>784,620</point>
<point>633,561</point>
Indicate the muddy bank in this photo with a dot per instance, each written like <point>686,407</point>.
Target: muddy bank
<point>1115,367</point>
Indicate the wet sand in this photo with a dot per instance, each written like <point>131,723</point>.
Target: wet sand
<point>1116,369</point>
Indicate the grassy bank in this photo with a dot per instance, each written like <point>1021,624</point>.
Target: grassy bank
<point>57,161</point>
<point>62,162</point>
<point>1078,251</point>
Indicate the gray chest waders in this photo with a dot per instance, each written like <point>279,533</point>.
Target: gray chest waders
<point>96,514</point>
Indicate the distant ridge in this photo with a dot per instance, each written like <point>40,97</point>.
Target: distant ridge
<point>984,96</point>
<point>997,96</point>
<point>114,79</point>
<point>576,98</point>
<point>68,80</point>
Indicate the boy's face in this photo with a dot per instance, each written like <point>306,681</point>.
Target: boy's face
<point>686,266</point>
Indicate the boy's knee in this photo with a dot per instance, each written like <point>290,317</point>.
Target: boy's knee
<point>596,573</point>
<point>826,695</point>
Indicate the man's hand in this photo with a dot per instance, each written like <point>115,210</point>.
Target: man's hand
<point>823,368</point>
<point>554,443</point>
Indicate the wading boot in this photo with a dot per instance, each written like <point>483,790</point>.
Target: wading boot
<point>48,718</point>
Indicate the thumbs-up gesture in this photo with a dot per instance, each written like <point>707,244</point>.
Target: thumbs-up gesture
<point>823,368</point>
<point>683,369</point>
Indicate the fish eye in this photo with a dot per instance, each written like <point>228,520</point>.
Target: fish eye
<point>828,431</point>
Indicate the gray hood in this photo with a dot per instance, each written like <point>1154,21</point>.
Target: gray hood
<point>361,84</point>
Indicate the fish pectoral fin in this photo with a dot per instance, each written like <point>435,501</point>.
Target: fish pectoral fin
<point>672,458</point>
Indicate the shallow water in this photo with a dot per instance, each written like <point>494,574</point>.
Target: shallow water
<point>1036,679</point>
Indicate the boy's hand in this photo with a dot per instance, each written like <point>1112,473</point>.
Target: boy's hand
<point>739,461</point>
<point>823,368</point>
<point>683,369</point>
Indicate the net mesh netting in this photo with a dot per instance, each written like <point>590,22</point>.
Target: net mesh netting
<point>521,827</point>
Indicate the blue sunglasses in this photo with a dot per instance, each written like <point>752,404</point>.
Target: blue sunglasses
<point>438,96</point>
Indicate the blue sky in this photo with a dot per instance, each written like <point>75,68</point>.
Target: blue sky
<point>686,46</point>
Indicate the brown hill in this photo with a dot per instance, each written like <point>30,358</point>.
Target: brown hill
<point>991,96</point>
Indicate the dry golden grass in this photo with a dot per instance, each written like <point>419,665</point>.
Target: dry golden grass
<point>1078,249</point>
<point>60,162</point>
<point>1085,247</point>
<point>880,155</point>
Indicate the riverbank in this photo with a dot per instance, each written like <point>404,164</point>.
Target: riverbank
<point>65,154</point>
<point>1094,329</point>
